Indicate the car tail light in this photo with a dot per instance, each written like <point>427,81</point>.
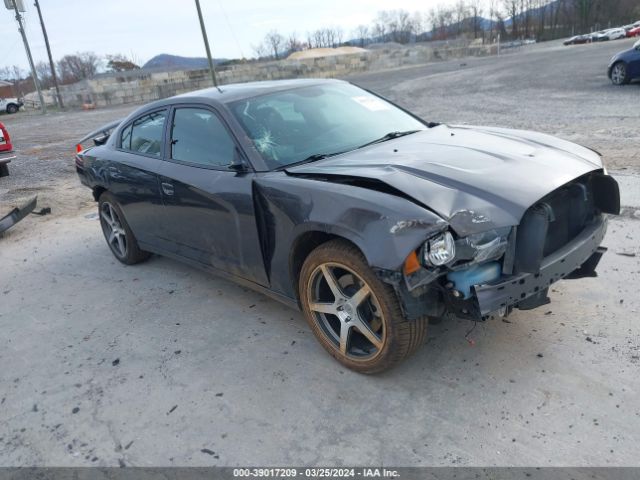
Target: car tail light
<point>5,140</point>
<point>79,148</point>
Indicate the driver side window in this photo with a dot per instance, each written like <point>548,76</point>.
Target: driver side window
<point>199,137</point>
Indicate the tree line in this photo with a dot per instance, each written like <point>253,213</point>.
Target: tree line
<point>471,19</point>
<point>69,69</point>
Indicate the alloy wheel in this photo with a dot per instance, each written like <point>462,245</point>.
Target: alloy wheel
<point>618,74</point>
<point>113,230</point>
<point>347,311</point>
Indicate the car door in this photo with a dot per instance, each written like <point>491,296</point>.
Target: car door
<point>209,212</point>
<point>133,169</point>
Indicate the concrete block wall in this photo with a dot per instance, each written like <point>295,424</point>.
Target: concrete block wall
<point>143,86</point>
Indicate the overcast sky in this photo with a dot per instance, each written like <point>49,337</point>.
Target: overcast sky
<point>144,28</point>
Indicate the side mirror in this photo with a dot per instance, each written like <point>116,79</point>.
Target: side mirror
<point>239,164</point>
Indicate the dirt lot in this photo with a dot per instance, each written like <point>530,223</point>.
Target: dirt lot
<point>160,364</point>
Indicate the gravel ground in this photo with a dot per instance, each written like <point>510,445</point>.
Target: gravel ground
<point>550,88</point>
<point>45,147</point>
<point>163,365</point>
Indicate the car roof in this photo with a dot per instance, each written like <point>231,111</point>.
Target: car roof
<point>239,91</point>
<point>233,92</point>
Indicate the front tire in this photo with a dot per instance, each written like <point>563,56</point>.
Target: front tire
<point>619,74</point>
<point>12,108</point>
<point>356,317</point>
<point>117,233</point>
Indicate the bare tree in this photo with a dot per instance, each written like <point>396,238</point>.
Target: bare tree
<point>397,25</point>
<point>275,42</point>
<point>79,66</point>
<point>260,50</point>
<point>293,44</point>
<point>475,7</point>
<point>461,13</point>
<point>512,11</point>
<point>339,34</point>
<point>361,34</point>
<point>12,74</point>
<point>43,71</point>
<point>418,22</point>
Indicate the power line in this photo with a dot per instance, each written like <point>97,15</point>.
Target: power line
<point>233,34</point>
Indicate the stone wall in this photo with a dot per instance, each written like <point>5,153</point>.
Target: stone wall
<point>143,86</point>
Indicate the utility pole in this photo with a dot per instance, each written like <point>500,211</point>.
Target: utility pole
<point>53,68</point>
<point>26,47</point>
<point>206,45</point>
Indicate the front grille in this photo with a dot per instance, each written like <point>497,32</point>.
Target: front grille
<point>553,222</point>
<point>570,208</point>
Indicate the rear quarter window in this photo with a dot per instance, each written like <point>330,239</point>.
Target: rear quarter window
<point>144,135</point>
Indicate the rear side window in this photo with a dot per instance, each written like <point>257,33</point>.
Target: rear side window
<point>144,135</point>
<point>199,137</point>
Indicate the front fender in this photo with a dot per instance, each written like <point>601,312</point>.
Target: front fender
<point>385,227</point>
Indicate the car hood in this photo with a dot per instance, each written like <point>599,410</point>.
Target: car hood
<point>476,178</point>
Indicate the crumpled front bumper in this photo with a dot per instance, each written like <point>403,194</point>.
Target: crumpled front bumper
<point>575,260</point>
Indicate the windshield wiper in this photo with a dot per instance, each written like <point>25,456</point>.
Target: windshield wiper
<point>311,158</point>
<point>320,156</point>
<point>389,136</point>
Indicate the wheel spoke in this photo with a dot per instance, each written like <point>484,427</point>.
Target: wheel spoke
<point>121,246</point>
<point>360,296</point>
<point>112,236</point>
<point>106,217</point>
<point>111,216</point>
<point>332,282</point>
<point>345,333</point>
<point>323,308</point>
<point>364,329</point>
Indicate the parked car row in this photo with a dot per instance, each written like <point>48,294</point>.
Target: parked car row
<point>625,66</point>
<point>628,31</point>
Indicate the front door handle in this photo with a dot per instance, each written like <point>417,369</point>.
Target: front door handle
<point>167,188</point>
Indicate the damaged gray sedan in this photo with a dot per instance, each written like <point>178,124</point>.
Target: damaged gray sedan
<point>338,202</point>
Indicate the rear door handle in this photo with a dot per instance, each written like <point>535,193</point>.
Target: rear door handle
<point>167,188</point>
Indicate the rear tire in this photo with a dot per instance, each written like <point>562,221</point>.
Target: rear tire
<point>619,74</point>
<point>119,237</point>
<point>12,108</point>
<point>356,317</point>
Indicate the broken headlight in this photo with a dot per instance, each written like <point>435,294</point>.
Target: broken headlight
<point>484,246</point>
<point>440,249</point>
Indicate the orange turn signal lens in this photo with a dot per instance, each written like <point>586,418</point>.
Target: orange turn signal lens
<point>411,264</point>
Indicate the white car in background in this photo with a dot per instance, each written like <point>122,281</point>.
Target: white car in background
<point>616,33</point>
<point>609,34</point>
<point>10,105</point>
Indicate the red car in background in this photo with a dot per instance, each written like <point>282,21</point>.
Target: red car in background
<point>6,150</point>
<point>5,140</point>
<point>634,32</point>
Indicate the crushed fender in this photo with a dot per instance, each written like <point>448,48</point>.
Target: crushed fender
<point>17,214</point>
